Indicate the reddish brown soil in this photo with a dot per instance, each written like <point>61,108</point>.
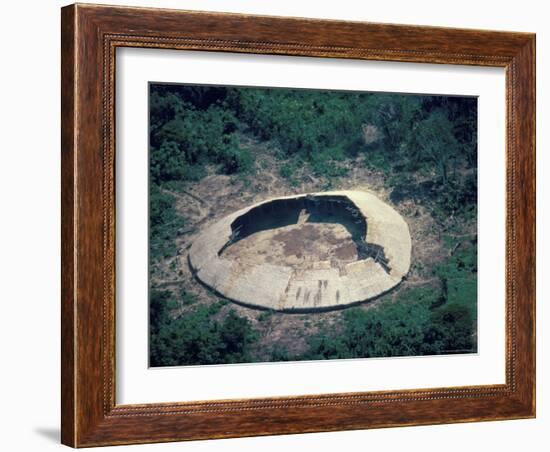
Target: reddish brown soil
<point>299,246</point>
<point>296,241</point>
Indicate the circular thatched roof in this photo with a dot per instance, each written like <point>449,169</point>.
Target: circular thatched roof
<point>321,286</point>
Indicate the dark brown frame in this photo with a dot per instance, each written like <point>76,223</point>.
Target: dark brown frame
<point>90,35</point>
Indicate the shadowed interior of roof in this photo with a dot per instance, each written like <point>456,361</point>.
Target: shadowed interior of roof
<point>279,213</point>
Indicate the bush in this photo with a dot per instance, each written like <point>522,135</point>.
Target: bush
<point>422,321</point>
<point>433,136</point>
<point>236,160</point>
<point>189,128</point>
<point>392,330</point>
<point>195,338</point>
<point>327,164</point>
<point>164,223</point>
<point>450,331</point>
<point>459,278</point>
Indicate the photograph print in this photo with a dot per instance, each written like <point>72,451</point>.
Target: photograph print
<point>298,224</point>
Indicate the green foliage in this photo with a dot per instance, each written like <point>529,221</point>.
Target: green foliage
<point>290,168</point>
<point>422,321</point>
<point>160,305</point>
<point>186,298</point>
<point>434,137</point>
<point>196,338</point>
<point>436,140</point>
<point>188,129</point>
<point>459,278</point>
<point>326,163</point>
<point>394,330</point>
<point>236,160</point>
<point>397,117</point>
<point>164,222</point>
<point>264,315</point>
<point>450,331</point>
<point>317,126</point>
<point>279,353</point>
<point>167,163</point>
<point>436,143</point>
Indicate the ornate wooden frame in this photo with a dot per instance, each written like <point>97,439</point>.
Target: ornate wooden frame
<point>90,35</point>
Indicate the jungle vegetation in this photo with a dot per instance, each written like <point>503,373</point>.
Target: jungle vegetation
<point>426,147</point>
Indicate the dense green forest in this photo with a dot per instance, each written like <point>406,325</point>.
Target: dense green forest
<point>196,338</point>
<point>426,148</point>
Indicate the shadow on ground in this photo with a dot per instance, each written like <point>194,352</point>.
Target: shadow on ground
<point>50,433</point>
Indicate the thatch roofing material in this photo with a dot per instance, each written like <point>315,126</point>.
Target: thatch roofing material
<point>279,287</point>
